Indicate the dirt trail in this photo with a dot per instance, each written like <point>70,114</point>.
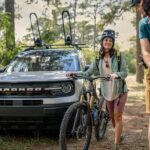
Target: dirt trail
<point>135,123</point>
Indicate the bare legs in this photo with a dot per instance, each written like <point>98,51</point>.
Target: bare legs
<point>115,109</point>
<point>116,119</point>
<point>118,127</point>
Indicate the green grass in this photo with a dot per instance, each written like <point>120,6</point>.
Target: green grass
<point>25,143</point>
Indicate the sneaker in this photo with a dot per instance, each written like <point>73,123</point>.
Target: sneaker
<point>116,147</point>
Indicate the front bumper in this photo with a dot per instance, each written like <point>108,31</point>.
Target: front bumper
<point>43,117</point>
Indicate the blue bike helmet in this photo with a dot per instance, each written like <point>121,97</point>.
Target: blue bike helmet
<point>108,33</point>
<point>134,2</point>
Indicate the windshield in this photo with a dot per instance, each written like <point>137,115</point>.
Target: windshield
<point>50,62</point>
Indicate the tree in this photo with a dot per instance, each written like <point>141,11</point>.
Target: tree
<point>4,23</point>
<point>84,32</point>
<point>103,13</point>
<point>98,14</point>
<point>137,47</point>
<point>10,31</point>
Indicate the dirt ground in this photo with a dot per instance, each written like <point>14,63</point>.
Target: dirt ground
<point>135,123</point>
<point>135,129</point>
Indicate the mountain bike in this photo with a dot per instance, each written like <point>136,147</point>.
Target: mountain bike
<point>81,116</point>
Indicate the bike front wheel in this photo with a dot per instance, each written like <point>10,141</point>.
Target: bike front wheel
<point>76,128</point>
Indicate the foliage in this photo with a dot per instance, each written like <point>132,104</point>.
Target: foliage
<point>49,31</point>
<point>131,60</point>
<point>133,41</point>
<point>6,56</point>
<point>98,13</point>
<point>89,55</point>
<point>85,30</point>
<point>10,31</point>
<point>51,27</point>
<point>114,10</point>
<point>130,57</point>
<point>4,23</point>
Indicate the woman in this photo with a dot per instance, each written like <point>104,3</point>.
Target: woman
<point>113,91</point>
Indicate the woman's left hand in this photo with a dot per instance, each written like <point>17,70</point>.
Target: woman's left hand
<point>113,76</point>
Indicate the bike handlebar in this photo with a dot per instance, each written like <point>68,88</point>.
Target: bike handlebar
<point>92,78</point>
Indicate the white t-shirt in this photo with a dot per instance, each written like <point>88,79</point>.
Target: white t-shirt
<point>109,86</point>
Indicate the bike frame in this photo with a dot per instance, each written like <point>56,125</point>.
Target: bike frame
<point>92,95</point>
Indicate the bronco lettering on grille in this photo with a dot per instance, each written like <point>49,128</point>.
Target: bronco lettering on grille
<point>28,89</point>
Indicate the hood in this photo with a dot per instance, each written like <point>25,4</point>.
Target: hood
<point>38,76</point>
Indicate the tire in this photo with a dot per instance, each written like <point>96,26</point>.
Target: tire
<point>100,128</point>
<point>76,111</point>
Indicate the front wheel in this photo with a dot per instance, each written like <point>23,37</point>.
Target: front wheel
<point>76,128</point>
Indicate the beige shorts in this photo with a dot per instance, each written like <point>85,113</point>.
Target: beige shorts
<point>147,92</point>
<point>118,104</point>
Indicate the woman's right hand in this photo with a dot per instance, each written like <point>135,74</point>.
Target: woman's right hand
<point>71,74</point>
<point>113,76</point>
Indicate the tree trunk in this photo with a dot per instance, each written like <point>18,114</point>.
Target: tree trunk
<point>10,31</point>
<point>139,68</point>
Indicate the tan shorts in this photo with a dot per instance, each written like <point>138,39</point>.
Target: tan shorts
<point>147,92</point>
<point>118,104</point>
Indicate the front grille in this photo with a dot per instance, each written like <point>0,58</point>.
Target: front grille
<point>34,89</point>
<point>32,102</point>
<point>6,102</point>
<point>21,102</point>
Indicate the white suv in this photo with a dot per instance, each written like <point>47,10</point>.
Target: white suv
<point>34,89</point>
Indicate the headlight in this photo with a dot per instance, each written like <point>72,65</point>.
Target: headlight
<point>67,87</point>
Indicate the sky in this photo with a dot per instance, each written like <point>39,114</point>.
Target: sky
<point>122,26</point>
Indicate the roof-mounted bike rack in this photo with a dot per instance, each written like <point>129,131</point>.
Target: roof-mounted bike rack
<point>67,38</point>
<point>38,40</point>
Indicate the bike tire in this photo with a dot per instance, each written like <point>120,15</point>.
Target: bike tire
<point>65,123</point>
<point>100,128</point>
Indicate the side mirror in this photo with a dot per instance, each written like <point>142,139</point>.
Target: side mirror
<point>86,67</point>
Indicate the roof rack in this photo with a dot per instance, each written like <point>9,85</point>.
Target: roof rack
<point>38,40</point>
<point>67,38</point>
